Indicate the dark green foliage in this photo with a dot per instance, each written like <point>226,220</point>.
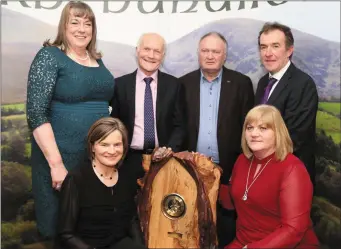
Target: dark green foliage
<point>326,212</point>
<point>13,235</point>
<point>11,111</point>
<point>26,211</point>
<point>326,218</point>
<point>328,173</point>
<point>6,124</point>
<point>328,185</point>
<point>14,149</point>
<point>327,148</point>
<point>321,164</point>
<point>16,188</point>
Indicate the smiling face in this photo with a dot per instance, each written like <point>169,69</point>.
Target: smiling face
<point>260,138</point>
<point>212,54</point>
<point>109,151</point>
<point>78,31</point>
<point>150,53</point>
<point>273,50</point>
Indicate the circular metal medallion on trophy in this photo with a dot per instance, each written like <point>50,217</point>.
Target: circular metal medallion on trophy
<point>173,206</point>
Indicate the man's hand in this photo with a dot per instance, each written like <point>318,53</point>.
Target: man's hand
<point>161,153</point>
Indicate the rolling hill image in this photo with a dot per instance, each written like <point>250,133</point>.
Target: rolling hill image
<point>317,57</point>
<point>23,36</point>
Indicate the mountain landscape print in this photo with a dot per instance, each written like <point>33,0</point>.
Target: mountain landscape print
<point>317,57</point>
<point>21,38</point>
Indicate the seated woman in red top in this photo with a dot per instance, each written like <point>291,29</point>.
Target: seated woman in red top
<point>270,188</point>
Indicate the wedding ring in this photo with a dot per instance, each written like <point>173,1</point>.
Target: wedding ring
<point>59,185</point>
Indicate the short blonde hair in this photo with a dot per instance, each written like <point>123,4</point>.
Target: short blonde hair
<point>272,119</point>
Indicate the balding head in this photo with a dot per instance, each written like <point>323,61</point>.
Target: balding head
<point>212,54</point>
<point>152,36</point>
<point>150,52</point>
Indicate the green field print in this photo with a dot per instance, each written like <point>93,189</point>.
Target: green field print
<point>18,106</point>
<point>331,107</point>
<point>328,120</point>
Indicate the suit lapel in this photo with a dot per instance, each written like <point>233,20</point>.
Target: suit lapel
<point>131,91</point>
<point>195,99</point>
<point>161,95</point>
<point>226,91</point>
<point>283,82</point>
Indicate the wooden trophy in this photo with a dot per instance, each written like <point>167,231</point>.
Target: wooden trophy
<point>177,203</point>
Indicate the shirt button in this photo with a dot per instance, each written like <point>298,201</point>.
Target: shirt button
<point>209,147</point>
<point>210,93</point>
<point>209,132</point>
<point>210,105</point>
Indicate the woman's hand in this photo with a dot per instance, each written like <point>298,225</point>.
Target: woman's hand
<point>58,174</point>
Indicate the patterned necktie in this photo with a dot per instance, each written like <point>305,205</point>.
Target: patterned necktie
<point>267,90</point>
<point>149,131</point>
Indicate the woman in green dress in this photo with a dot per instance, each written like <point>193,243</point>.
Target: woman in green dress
<point>69,88</point>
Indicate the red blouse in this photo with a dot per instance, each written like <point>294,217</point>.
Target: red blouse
<point>276,213</point>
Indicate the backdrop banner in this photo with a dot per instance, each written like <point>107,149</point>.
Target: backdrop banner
<point>25,25</point>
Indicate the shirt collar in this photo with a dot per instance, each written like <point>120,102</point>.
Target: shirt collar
<point>281,72</point>
<point>141,75</point>
<point>216,79</point>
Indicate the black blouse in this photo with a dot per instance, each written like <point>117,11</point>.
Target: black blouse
<point>92,215</point>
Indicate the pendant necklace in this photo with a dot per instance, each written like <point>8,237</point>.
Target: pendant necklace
<point>105,177</point>
<point>244,198</point>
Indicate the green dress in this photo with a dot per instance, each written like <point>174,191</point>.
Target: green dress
<point>71,97</point>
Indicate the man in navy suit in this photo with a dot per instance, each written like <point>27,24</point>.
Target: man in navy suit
<point>289,89</point>
<point>150,103</point>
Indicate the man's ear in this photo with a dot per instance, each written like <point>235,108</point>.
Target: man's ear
<point>290,51</point>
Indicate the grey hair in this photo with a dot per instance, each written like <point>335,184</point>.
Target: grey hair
<point>144,34</point>
<point>217,34</point>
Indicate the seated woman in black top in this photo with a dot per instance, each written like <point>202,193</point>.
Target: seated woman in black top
<point>97,200</point>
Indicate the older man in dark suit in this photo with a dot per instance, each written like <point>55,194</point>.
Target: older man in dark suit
<point>217,101</point>
<point>150,103</point>
<point>289,89</point>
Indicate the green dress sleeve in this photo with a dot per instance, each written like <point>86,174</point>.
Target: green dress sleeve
<point>40,87</point>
